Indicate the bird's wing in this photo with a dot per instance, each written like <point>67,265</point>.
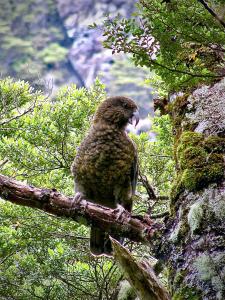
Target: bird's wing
<point>134,174</point>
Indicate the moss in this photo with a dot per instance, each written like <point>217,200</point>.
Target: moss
<point>193,157</point>
<point>195,179</point>
<point>189,139</point>
<point>126,291</point>
<point>201,161</point>
<point>182,291</point>
<point>177,188</point>
<point>178,105</point>
<point>187,293</point>
<point>215,172</point>
<point>214,143</point>
<point>179,277</point>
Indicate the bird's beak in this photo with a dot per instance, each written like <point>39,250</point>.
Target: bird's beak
<point>134,118</point>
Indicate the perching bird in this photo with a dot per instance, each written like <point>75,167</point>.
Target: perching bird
<point>105,167</point>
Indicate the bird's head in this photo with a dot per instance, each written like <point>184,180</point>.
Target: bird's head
<point>117,111</point>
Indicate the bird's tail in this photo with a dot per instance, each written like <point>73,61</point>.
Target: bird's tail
<point>100,243</point>
<point>97,241</point>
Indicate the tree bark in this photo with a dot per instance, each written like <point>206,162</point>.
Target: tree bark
<point>139,274</point>
<point>196,230</point>
<point>136,228</point>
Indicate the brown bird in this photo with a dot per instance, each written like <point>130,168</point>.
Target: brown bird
<point>105,167</point>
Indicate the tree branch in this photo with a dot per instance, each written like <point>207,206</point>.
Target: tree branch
<point>136,228</point>
<point>212,12</point>
<point>140,275</point>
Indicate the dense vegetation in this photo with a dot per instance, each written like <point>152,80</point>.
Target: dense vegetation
<point>43,257</point>
<point>181,40</point>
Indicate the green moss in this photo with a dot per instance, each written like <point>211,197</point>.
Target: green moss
<point>189,139</point>
<point>179,277</point>
<point>214,143</point>
<point>177,187</point>
<point>200,162</point>
<point>193,157</point>
<point>186,293</point>
<point>197,178</point>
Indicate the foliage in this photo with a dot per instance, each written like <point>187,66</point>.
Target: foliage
<point>30,30</point>
<point>53,53</point>
<point>180,40</point>
<point>49,257</point>
<point>156,159</point>
<point>130,79</point>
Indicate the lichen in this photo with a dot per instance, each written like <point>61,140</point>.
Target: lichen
<point>195,216</point>
<point>174,234</point>
<point>126,291</point>
<point>180,229</point>
<point>217,205</point>
<point>209,268</point>
<point>205,108</point>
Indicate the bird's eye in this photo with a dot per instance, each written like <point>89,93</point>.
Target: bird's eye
<point>125,105</point>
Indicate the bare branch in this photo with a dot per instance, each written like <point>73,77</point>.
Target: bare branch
<point>136,228</point>
<point>140,275</point>
<point>148,187</point>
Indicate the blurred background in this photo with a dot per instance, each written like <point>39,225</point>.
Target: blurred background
<point>50,44</point>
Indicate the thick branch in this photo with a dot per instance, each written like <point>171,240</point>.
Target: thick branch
<point>135,228</point>
<point>140,275</point>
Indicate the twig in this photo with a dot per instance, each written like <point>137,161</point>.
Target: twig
<point>148,187</point>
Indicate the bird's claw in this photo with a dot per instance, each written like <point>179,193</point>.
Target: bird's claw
<point>77,200</point>
<point>119,211</point>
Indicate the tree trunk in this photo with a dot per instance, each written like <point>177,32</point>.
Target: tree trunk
<point>196,229</point>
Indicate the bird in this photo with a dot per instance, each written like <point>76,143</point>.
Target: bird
<point>105,167</point>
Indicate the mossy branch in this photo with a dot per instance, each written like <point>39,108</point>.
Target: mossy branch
<point>136,228</point>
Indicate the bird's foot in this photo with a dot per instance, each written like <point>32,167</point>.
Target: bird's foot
<point>77,200</point>
<point>120,211</point>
